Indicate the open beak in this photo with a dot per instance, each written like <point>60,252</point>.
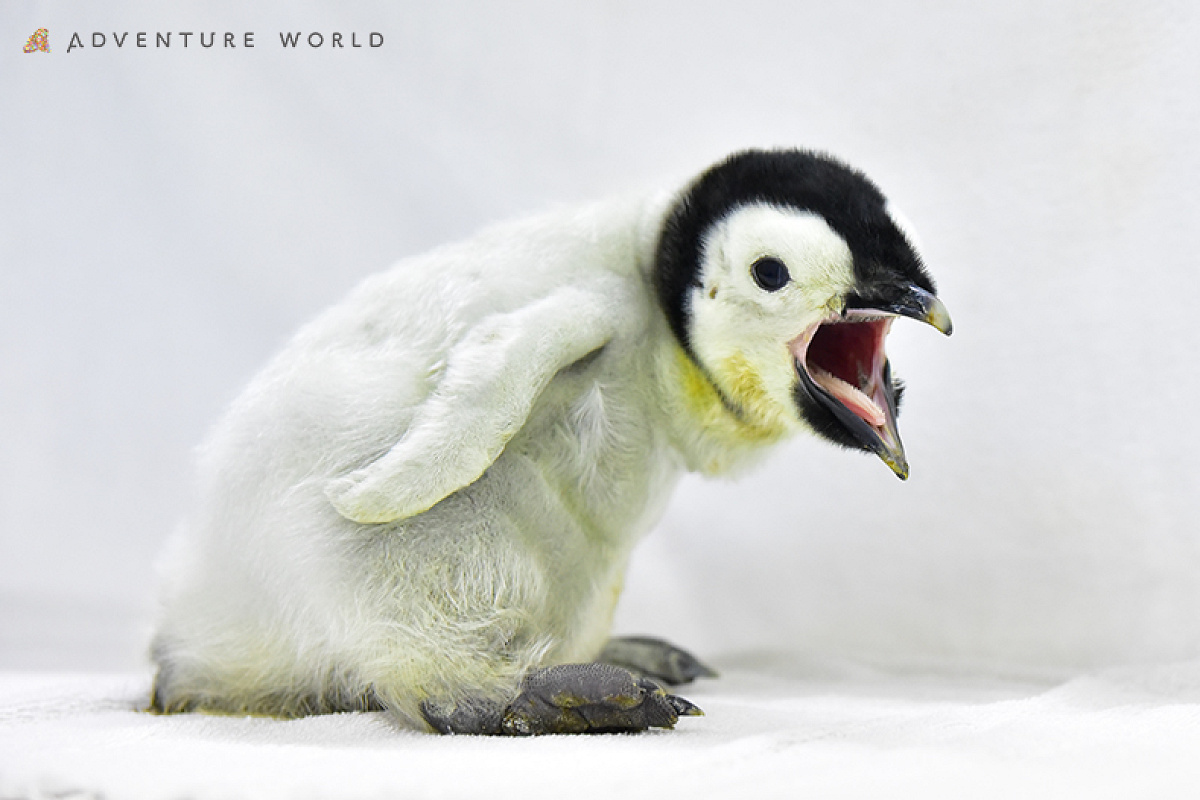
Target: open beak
<point>842,366</point>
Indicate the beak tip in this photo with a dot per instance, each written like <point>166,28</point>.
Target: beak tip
<point>897,462</point>
<point>939,317</point>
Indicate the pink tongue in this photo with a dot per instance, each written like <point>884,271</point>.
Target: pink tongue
<point>850,397</point>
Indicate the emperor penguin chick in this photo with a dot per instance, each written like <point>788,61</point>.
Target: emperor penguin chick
<point>427,500</point>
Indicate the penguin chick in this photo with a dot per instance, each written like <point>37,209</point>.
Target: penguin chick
<point>427,500</point>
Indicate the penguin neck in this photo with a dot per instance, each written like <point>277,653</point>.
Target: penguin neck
<point>719,422</point>
<point>716,431</point>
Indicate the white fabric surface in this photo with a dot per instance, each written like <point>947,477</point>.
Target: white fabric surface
<point>775,727</point>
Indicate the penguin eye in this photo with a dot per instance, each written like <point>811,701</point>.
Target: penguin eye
<point>770,273</point>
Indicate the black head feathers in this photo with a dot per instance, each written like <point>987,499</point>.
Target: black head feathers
<point>847,200</point>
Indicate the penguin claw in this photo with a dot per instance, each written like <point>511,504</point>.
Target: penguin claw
<point>684,707</point>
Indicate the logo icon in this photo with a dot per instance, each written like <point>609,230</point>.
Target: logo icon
<point>39,41</point>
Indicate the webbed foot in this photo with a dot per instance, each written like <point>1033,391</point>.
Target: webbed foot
<point>569,698</point>
<point>471,716</point>
<point>655,658</point>
<point>591,698</point>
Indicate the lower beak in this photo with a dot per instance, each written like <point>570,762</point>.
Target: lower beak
<point>883,440</point>
<point>887,443</point>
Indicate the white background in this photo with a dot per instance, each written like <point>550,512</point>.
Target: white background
<point>168,217</point>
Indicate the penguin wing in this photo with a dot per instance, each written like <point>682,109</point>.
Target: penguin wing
<point>492,378</point>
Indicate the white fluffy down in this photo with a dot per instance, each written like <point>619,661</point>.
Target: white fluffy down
<point>436,486</point>
<point>386,405</point>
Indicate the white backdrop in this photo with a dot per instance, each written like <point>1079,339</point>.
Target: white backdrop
<point>168,217</point>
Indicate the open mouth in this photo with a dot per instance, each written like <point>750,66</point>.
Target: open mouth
<point>845,387</point>
<point>843,368</point>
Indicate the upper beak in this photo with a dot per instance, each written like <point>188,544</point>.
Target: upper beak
<point>907,301</point>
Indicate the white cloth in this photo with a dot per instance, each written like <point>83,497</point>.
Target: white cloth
<point>774,728</point>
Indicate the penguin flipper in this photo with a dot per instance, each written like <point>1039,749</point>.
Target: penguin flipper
<point>491,380</point>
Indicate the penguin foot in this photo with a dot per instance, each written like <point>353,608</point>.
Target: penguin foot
<point>656,659</point>
<point>470,717</point>
<point>569,698</point>
<point>592,698</point>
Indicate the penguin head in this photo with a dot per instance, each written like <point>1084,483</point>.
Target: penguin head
<point>780,274</point>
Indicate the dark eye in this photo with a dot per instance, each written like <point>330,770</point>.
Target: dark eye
<point>770,273</point>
